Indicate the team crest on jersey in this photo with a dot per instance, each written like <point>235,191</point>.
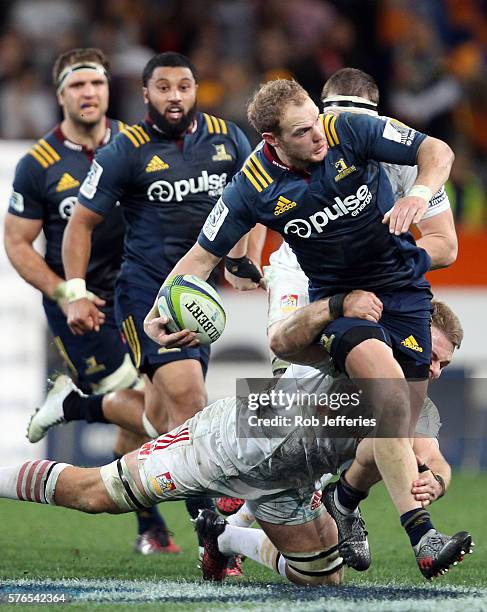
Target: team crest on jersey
<point>283,205</point>
<point>288,303</point>
<point>16,201</point>
<point>221,154</point>
<point>93,367</point>
<point>65,208</point>
<point>163,483</point>
<point>411,343</point>
<point>398,132</point>
<point>315,500</point>
<point>156,164</point>
<point>67,182</point>
<point>343,169</point>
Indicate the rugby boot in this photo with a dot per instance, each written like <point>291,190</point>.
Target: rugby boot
<point>209,526</point>
<point>435,552</point>
<point>353,544</point>
<point>234,567</point>
<point>50,413</point>
<point>156,541</point>
<point>229,505</point>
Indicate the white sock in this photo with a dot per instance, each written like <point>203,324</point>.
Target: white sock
<point>242,518</point>
<point>33,481</point>
<point>252,543</point>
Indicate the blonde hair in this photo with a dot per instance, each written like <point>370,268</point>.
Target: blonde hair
<point>266,108</point>
<point>447,321</point>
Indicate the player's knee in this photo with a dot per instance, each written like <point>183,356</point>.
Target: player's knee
<point>190,399</point>
<point>323,567</point>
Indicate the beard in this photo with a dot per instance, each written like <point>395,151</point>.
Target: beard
<point>169,128</point>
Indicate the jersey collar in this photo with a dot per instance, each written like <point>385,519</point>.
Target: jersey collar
<point>75,146</point>
<point>191,129</point>
<point>271,156</point>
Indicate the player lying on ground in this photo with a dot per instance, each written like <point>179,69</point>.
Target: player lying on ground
<point>279,476</point>
<point>291,521</point>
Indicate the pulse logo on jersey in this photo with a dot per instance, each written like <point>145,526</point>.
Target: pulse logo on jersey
<point>163,191</point>
<point>352,204</point>
<point>66,207</point>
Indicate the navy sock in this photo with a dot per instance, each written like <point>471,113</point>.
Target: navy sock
<point>147,518</point>
<point>195,504</point>
<point>78,408</point>
<point>348,496</point>
<point>416,523</point>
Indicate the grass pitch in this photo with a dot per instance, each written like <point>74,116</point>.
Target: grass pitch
<point>90,559</point>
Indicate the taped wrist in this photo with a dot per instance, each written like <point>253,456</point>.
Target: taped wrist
<point>75,289</point>
<point>335,305</point>
<point>243,267</point>
<point>439,479</point>
<point>421,191</point>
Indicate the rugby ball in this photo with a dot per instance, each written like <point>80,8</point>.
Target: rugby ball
<point>191,303</point>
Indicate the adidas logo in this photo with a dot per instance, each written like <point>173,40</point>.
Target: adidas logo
<point>67,182</point>
<point>156,164</point>
<point>411,343</point>
<point>283,205</point>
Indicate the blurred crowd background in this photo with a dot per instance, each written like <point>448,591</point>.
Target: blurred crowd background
<point>429,58</point>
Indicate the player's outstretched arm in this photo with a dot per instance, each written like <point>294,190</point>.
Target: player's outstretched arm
<point>198,262</point>
<point>439,239</point>
<point>293,338</point>
<point>83,315</point>
<point>434,160</point>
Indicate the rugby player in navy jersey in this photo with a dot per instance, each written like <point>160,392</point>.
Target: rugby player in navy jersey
<point>167,172</point>
<point>320,185</point>
<point>45,188</point>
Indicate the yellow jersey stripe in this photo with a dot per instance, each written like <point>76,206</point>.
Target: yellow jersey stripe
<point>250,165</point>
<point>141,132</point>
<point>333,129</point>
<point>132,129</point>
<point>52,152</point>
<point>44,154</point>
<point>251,179</point>
<point>261,168</point>
<point>132,138</point>
<point>64,355</point>
<point>223,126</point>
<point>121,125</point>
<point>216,125</point>
<point>132,339</point>
<point>36,156</point>
<point>209,123</point>
<point>327,131</point>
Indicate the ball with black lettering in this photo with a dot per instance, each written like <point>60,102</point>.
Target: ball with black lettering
<point>191,303</point>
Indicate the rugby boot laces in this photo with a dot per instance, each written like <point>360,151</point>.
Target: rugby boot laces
<point>353,544</point>
<point>436,552</point>
<point>50,413</point>
<point>229,505</point>
<point>209,526</point>
<point>156,541</point>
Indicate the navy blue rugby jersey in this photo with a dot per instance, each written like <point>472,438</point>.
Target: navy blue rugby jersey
<point>46,184</point>
<point>166,187</point>
<point>330,216</point>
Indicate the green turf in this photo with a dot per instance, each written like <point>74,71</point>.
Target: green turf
<point>39,542</point>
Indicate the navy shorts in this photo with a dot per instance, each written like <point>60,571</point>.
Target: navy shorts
<point>405,326</point>
<point>131,307</point>
<point>92,356</point>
